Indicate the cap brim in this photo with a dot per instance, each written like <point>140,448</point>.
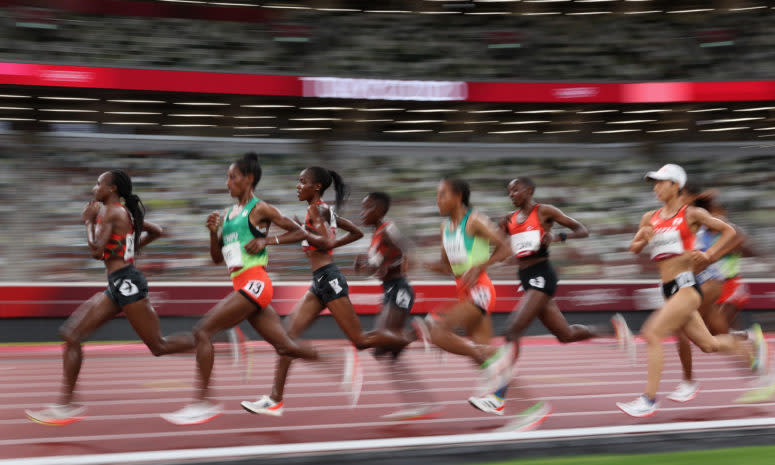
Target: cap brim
<point>653,176</point>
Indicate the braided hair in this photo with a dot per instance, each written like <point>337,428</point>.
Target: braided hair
<point>123,184</point>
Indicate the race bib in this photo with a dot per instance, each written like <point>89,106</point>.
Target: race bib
<point>129,252</point>
<point>526,242</point>
<point>232,255</point>
<point>456,249</point>
<point>375,258</point>
<point>666,244</point>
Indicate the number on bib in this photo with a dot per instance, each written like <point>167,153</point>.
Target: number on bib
<point>129,252</point>
<point>254,288</point>
<point>481,297</point>
<point>334,283</point>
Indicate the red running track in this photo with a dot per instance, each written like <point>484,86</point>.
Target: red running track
<point>126,389</point>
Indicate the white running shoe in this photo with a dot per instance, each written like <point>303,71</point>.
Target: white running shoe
<point>414,413</point>
<point>685,391</point>
<point>499,367</point>
<point>423,332</point>
<point>264,406</point>
<point>352,379</point>
<point>488,404</point>
<point>624,337</point>
<point>529,419</point>
<point>761,349</point>
<point>194,414</point>
<point>640,407</point>
<point>57,414</point>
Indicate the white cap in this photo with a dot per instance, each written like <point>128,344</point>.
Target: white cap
<point>669,172</point>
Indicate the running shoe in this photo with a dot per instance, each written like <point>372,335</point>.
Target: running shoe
<point>352,379</point>
<point>414,413</point>
<point>529,419</point>
<point>624,337</point>
<point>238,348</point>
<point>761,349</point>
<point>264,406</point>
<point>423,332</point>
<point>685,391</point>
<point>640,407</point>
<point>57,414</point>
<point>194,414</point>
<point>498,368</point>
<point>488,404</point>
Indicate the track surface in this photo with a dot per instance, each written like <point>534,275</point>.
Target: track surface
<point>126,389</point>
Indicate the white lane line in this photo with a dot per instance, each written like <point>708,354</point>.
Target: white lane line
<point>370,444</point>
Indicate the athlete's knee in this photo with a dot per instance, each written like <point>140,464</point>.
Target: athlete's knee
<point>201,335</point>
<point>709,346</point>
<point>650,335</point>
<point>70,336</point>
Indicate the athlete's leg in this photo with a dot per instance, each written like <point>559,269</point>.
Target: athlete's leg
<point>467,316</point>
<point>301,317</point>
<point>343,312</point>
<point>555,322</point>
<point>665,321</point>
<point>228,312</point>
<point>698,332</point>
<point>269,325</point>
<point>530,306</point>
<point>145,322</point>
<point>89,316</point>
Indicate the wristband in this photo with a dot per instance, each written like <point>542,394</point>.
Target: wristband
<point>277,240</point>
<point>563,236</point>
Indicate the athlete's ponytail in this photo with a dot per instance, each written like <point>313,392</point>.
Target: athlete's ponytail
<point>123,184</point>
<point>325,178</point>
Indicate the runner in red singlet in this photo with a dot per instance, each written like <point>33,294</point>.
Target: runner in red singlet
<point>329,288</point>
<point>669,232</point>
<point>114,232</point>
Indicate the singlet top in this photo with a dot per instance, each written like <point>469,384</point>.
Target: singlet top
<point>237,232</point>
<point>464,251</point>
<point>379,253</point>
<point>120,246</point>
<point>705,238</point>
<point>526,236</point>
<point>672,236</point>
<point>309,226</point>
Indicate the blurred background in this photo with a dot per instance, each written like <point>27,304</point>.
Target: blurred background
<point>488,120</point>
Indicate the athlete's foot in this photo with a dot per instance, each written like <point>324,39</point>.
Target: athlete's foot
<point>624,337</point>
<point>488,404</point>
<point>761,350</point>
<point>640,407</point>
<point>529,418</point>
<point>498,368</point>
<point>352,378</point>
<point>194,414</point>
<point>423,332</point>
<point>57,414</point>
<point>420,412</point>
<point>264,406</point>
<point>686,391</point>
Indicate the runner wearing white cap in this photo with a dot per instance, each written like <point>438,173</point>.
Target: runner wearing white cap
<point>669,232</point>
